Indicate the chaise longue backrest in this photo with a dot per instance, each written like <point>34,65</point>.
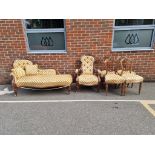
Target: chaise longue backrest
<point>21,63</point>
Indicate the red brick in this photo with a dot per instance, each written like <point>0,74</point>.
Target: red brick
<point>83,36</point>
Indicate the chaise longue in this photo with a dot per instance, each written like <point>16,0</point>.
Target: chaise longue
<point>27,75</point>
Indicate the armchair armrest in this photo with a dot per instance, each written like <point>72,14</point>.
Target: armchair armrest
<point>99,71</point>
<point>102,73</point>
<point>78,71</point>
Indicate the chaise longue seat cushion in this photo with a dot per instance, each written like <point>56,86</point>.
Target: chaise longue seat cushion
<point>44,81</point>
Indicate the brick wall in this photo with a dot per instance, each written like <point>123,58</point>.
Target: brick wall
<point>92,37</point>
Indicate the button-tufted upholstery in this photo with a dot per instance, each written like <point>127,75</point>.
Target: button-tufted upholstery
<point>87,64</point>
<point>18,72</point>
<point>21,63</point>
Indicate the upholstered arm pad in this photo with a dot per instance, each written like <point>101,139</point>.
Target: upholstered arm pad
<point>102,73</point>
<point>77,71</point>
<point>46,71</point>
<point>99,71</point>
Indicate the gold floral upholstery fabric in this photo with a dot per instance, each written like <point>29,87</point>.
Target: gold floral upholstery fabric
<point>112,78</point>
<point>87,80</point>
<point>31,69</point>
<point>18,72</point>
<point>125,72</point>
<point>46,71</point>
<point>132,78</point>
<point>41,78</point>
<point>44,81</point>
<point>21,63</point>
<point>87,64</point>
<point>111,72</point>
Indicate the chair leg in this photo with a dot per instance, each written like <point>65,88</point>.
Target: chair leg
<point>103,84</point>
<point>124,88</point>
<point>15,88</point>
<point>68,90</point>
<point>77,86</point>
<point>115,86</point>
<point>140,87</point>
<point>98,87</point>
<point>106,87</point>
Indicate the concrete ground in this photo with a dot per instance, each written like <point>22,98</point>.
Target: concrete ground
<point>84,112</point>
<point>86,93</point>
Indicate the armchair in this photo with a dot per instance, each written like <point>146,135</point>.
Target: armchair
<point>87,75</point>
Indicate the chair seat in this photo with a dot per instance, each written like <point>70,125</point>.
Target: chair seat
<point>104,72</point>
<point>44,81</point>
<point>132,78</point>
<point>87,80</point>
<point>125,72</point>
<point>112,78</point>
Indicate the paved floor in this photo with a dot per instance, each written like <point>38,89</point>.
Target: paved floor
<point>54,112</point>
<point>76,118</point>
<point>87,93</point>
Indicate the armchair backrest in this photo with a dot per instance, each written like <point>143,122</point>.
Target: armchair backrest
<point>87,64</point>
<point>21,63</point>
